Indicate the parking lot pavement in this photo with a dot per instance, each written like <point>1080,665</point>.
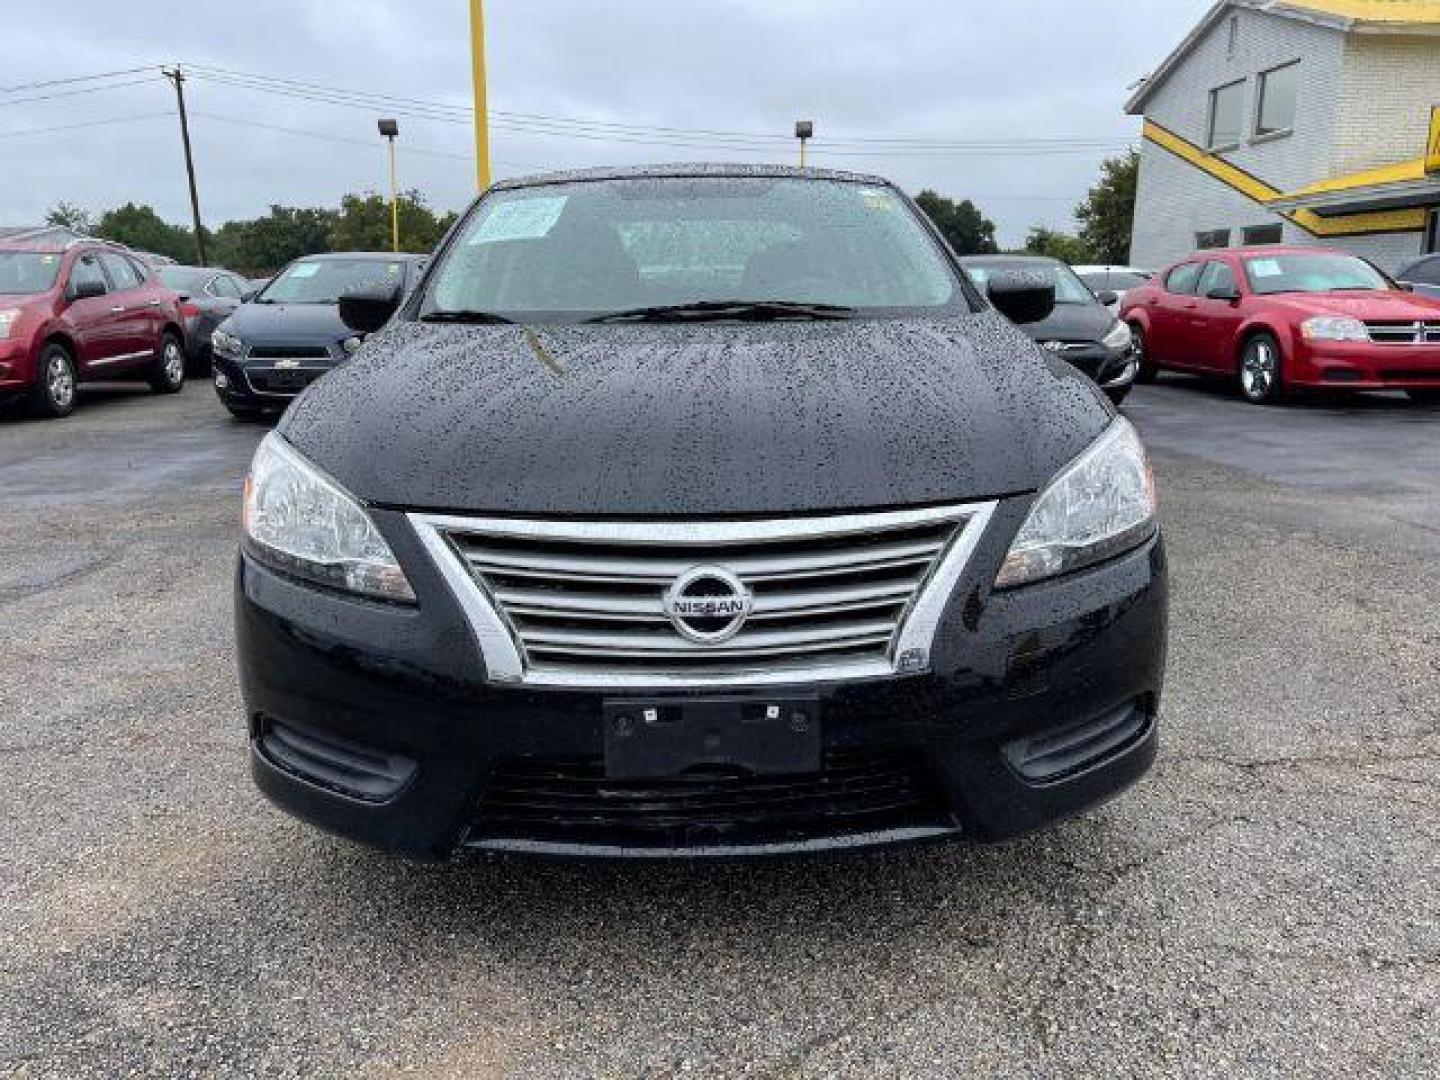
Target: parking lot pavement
<point>1265,902</point>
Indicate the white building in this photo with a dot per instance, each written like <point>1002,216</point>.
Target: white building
<point>1305,123</point>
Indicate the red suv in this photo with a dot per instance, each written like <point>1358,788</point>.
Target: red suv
<point>1276,318</point>
<point>83,311</point>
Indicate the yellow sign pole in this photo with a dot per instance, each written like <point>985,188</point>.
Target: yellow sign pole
<point>1432,149</point>
<point>394,202</point>
<point>477,70</point>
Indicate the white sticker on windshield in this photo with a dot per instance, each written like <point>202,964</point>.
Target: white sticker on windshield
<point>1264,268</point>
<point>521,219</point>
<point>304,270</point>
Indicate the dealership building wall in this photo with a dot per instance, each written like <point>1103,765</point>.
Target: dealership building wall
<point>1362,101</point>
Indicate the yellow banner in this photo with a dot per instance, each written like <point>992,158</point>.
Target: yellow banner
<point>1432,149</point>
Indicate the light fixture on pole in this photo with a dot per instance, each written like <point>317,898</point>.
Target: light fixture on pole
<point>389,129</point>
<point>804,131</point>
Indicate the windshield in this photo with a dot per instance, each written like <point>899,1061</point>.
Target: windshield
<point>1114,280</point>
<point>1069,289</point>
<point>565,252</point>
<point>1311,273</point>
<point>324,281</point>
<point>184,279</point>
<point>28,271</point>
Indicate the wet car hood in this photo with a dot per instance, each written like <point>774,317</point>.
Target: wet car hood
<point>299,324</point>
<point>696,420</point>
<point>1381,306</point>
<point>1073,322</point>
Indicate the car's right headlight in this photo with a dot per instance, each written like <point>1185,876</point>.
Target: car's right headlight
<point>226,344</point>
<point>8,318</point>
<point>1102,504</point>
<point>300,521</point>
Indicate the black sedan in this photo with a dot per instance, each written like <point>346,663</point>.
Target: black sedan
<point>208,296</point>
<point>706,510</point>
<point>291,333</point>
<point>1082,329</point>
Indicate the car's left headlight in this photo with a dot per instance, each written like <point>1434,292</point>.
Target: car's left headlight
<point>1119,338</point>
<point>302,522</point>
<point>1101,505</point>
<point>1334,328</point>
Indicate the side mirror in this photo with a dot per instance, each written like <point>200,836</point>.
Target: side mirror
<point>1230,295</point>
<point>1022,298</point>
<point>1108,298</point>
<point>367,309</point>
<point>86,290</point>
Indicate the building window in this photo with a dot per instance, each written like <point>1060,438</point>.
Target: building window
<point>1256,235</point>
<point>1215,238</point>
<point>1234,37</point>
<point>1227,110</point>
<point>1275,111</point>
<point>1432,231</point>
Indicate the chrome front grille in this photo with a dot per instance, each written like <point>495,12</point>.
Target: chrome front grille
<point>582,603</point>
<point>1404,333</point>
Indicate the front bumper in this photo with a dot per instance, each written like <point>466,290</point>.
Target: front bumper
<point>259,384</point>
<point>1361,365</point>
<point>377,722</point>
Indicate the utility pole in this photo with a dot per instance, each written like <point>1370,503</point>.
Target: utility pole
<point>178,78</point>
<point>804,131</point>
<point>389,129</point>
<point>477,73</point>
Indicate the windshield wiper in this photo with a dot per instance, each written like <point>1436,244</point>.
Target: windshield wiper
<point>463,316</point>
<point>744,310</point>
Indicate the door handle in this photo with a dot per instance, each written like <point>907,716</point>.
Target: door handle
<point>117,309</point>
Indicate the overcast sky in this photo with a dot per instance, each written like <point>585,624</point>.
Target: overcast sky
<point>939,70</point>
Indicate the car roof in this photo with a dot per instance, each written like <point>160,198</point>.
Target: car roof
<point>686,170</point>
<point>385,256</point>
<point>1109,268</point>
<point>1265,249</point>
<point>1017,261</point>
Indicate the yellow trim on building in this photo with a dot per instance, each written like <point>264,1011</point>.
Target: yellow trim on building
<point>1253,187</point>
<point>1414,12</point>
<point>1388,174</point>
<point>1432,148</point>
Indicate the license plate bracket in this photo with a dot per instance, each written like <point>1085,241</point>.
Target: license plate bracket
<point>648,739</point>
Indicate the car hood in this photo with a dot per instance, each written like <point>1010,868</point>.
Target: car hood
<point>695,420</point>
<point>1380,306</point>
<point>288,323</point>
<point>1073,322</point>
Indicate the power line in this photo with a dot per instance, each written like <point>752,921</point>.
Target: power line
<point>541,123</point>
<point>71,79</point>
<point>86,124</point>
<point>75,93</point>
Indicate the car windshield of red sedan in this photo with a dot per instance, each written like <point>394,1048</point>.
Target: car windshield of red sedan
<point>25,272</point>
<point>1271,274</point>
<point>324,281</point>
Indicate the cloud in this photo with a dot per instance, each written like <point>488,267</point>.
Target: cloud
<point>952,70</point>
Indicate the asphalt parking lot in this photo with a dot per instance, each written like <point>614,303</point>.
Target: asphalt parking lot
<point>1266,902</point>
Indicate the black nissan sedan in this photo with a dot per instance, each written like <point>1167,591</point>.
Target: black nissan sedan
<point>1082,328</point>
<point>291,333</point>
<point>698,511</point>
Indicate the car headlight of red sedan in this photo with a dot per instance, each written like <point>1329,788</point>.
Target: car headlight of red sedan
<point>1334,328</point>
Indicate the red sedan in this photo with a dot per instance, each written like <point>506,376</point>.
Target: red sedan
<point>1277,318</point>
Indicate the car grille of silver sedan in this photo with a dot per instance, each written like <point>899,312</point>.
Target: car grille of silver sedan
<point>704,603</point>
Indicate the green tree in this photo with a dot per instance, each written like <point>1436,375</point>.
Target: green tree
<point>264,244</point>
<point>73,217</point>
<point>363,223</point>
<point>962,224</point>
<point>1107,215</point>
<point>141,228</point>
<point>1057,245</point>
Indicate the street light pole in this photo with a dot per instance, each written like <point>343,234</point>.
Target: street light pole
<point>477,73</point>
<point>804,131</point>
<point>389,129</point>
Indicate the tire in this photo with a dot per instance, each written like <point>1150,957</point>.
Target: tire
<point>245,412</point>
<point>168,373</point>
<point>53,394</point>
<point>1424,397</point>
<point>1261,372</point>
<point>1145,368</point>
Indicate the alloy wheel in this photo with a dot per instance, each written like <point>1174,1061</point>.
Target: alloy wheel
<point>60,382</point>
<point>174,363</point>
<point>1259,370</point>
